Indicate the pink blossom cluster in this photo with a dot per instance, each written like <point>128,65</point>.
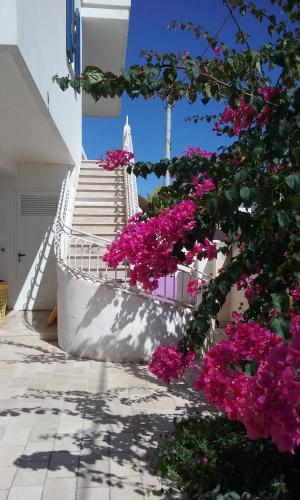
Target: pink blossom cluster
<point>252,289</point>
<point>193,151</point>
<point>274,169</point>
<point>115,158</point>
<point>242,117</point>
<point>168,362</point>
<point>202,187</point>
<point>148,245</point>
<point>268,402</point>
<point>194,287</point>
<point>268,92</point>
<point>295,293</point>
<point>205,250</point>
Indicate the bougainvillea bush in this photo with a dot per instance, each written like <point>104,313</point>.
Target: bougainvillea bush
<point>249,191</point>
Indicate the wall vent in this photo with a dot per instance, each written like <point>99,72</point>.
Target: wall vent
<point>39,205</point>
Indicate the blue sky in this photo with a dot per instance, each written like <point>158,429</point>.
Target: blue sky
<point>147,30</point>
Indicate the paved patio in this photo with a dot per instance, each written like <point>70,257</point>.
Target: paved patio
<point>74,429</point>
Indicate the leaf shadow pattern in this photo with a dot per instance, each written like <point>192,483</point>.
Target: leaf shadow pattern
<point>98,422</point>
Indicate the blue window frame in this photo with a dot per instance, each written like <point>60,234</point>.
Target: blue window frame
<point>73,36</point>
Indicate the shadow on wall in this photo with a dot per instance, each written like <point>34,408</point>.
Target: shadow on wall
<point>102,322</point>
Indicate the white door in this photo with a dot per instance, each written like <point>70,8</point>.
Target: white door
<point>35,261</point>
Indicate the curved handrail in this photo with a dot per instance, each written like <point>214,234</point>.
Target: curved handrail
<point>81,253</point>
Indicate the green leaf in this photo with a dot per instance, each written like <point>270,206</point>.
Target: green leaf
<point>296,256</point>
<point>296,151</point>
<point>224,287</point>
<point>232,193</point>
<point>283,218</point>
<point>93,74</point>
<point>280,326</point>
<point>297,276</point>
<point>281,302</point>
<point>293,180</point>
<point>245,193</point>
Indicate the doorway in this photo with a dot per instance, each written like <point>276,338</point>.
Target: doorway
<point>34,259</point>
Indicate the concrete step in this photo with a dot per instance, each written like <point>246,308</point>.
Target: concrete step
<point>100,179</point>
<point>114,202</point>
<point>95,219</point>
<point>107,238</point>
<point>99,230</point>
<point>92,196</point>
<point>92,210</point>
<point>100,172</point>
<point>93,164</point>
<point>94,186</point>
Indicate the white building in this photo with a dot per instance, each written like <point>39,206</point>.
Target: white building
<point>41,127</point>
<point>50,196</point>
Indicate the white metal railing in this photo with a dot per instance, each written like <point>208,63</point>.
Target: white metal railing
<point>82,254</point>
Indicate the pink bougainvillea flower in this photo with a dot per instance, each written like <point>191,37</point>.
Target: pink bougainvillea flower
<point>193,151</point>
<point>269,92</point>
<point>266,402</point>
<point>203,186</point>
<point>148,244</point>
<point>194,287</point>
<point>115,159</point>
<point>295,293</point>
<point>168,362</point>
<point>217,50</point>
<point>244,115</point>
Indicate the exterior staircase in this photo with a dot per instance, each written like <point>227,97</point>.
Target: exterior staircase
<point>100,213</point>
<point>101,316</point>
<point>100,204</point>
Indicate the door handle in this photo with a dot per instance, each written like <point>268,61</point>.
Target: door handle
<point>21,255</point>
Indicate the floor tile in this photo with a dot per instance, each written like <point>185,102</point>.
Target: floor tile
<point>60,489</point>
<point>31,474</point>
<point>10,455</point>
<point>28,493</point>
<point>37,452</point>
<point>93,494</point>
<point>7,475</point>
<point>63,464</point>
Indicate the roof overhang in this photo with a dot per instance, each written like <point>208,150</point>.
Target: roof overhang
<point>27,130</point>
<point>104,42</point>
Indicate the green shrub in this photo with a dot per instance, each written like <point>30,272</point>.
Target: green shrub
<point>214,459</point>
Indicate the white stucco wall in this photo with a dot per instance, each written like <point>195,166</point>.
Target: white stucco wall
<point>42,42</point>
<point>99,322</point>
<point>8,22</point>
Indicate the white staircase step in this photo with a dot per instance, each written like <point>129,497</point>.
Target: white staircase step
<point>98,230</point>
<point>99,196</point>
<point>100,172</point>
<point>99,179</point>
<point>100,208</point>
<point>93,164</point>
<point>93,210</point>
<point>114,204</point>
<point>94,186</point>
<point>95,219</point>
